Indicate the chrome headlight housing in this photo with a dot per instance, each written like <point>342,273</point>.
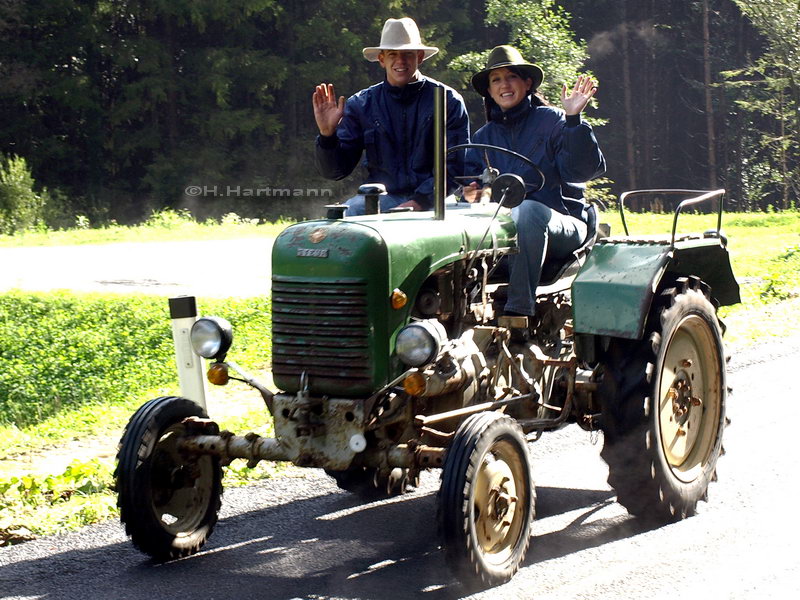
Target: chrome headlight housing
<point>211,337</point>
<point>419,343</point>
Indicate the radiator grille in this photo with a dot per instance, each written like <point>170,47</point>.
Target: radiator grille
<point>322,328</point>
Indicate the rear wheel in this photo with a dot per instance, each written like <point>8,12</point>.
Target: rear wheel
<point>487,500</point>
<point>168,500</point>
<point>664,408</point>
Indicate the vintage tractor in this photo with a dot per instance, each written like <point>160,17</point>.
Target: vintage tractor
<point>391,358</point>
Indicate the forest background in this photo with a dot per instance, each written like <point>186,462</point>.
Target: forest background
<point>110,109</point>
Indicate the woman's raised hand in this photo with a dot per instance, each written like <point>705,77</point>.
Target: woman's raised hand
<point>580,95</point>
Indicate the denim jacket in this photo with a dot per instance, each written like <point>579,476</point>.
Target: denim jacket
<point>395,127</point>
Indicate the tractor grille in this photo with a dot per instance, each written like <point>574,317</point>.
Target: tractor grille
<point>321,328</point>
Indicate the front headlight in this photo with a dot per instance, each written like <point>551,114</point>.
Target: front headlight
<point>211,337</point>
<point>419,343</point>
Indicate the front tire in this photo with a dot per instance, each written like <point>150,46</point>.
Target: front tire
<point>487,500</point>
<point>664,408</point>
<point>168,501</point>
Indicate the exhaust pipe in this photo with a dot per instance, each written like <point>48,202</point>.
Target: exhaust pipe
<point>439,153</point>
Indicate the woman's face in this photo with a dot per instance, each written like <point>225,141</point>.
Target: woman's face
<point>507,88</point>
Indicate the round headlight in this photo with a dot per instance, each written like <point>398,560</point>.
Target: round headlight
<point>419,343</point>
<point>211,337</point>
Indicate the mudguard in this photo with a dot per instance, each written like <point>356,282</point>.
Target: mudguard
<point>614,289</point>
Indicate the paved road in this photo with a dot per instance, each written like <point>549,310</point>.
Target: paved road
<point>302,538</point>
<point>215,268</point>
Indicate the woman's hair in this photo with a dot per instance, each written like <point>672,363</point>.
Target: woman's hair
<point>537,99</point>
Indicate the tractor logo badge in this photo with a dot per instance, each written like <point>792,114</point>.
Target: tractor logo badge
<point>318,235</point>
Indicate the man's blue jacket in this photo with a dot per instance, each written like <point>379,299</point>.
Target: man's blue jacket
<point>395,127</point>
<point>564,148</point>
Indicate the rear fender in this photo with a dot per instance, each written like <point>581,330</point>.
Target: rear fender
<point>614,290</point>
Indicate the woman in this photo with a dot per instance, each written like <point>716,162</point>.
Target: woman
<point>551,223</point>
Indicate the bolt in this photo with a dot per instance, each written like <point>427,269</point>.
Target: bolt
<point>680,432</point>
<point>686,363</point>
<point>695,401</point>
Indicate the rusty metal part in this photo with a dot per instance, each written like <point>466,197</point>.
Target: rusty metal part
<point>438,434</point>
<point>437,381</point>
<point>422,421</point>
<point>228,447</point>
<point>407,456</point>
<point>529,425</point>
<point>266,393</point>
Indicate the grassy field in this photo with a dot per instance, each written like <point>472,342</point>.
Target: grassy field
<point>162,226</point>
<point>77,365</point>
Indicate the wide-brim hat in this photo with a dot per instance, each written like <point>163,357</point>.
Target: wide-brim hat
<point>399,34</point>
<point>505,56</point>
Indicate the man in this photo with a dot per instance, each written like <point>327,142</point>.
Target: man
<point>393,122</point>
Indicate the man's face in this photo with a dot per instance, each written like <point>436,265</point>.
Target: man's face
<point>401,65</point>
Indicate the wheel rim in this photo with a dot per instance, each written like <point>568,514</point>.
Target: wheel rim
<point>689,398</point>
<point>499,502</point>
<point>181,487</point>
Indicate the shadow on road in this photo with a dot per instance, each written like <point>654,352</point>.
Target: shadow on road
<point>311,548</point>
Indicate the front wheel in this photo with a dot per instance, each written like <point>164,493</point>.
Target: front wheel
<point>168,500</point>
<point>664,408</point>
<point>487,500</point>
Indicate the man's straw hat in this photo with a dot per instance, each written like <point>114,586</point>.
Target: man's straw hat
<point>399,34</point>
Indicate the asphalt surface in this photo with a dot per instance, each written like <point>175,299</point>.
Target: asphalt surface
<point>301,537</point>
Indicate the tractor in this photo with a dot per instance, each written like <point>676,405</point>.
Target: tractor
<point>391,356</point>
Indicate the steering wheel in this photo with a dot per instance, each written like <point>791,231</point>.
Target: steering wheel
<point>490,174</point>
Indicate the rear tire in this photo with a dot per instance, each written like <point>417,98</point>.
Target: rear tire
<point>664,407</point>
<point>168,501</point>
<point>487,500</point>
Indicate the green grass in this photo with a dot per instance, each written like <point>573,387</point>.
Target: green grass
<point>68,357</point>
<point>165,225</point>
<point>77,366</point>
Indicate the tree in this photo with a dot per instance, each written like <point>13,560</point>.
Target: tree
<point>540,30</point>
<point>770,93</point>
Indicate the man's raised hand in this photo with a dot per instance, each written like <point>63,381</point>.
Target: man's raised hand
<point>327,110</point>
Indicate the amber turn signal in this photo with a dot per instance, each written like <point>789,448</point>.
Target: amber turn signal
<point>399,299</point>
<point>218,374</point>
<point>414,384</point>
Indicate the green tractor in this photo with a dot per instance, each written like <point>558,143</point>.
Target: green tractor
<point>390,358</point>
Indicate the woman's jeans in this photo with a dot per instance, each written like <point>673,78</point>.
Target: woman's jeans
<point>542,233</point>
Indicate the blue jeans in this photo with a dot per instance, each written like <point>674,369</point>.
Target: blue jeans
<point>542,233</point>
<point>356,203</point>
<point>388,201</point>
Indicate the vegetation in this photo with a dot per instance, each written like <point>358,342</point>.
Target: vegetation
<point>21,207</point>
<point>77,365</point>
<point>162,225</point>
<point>120,107</point>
